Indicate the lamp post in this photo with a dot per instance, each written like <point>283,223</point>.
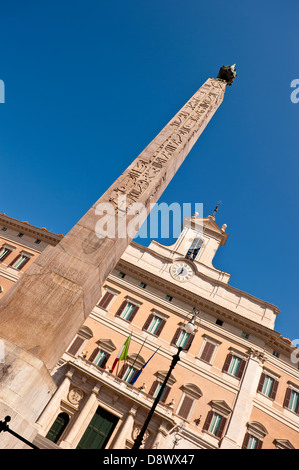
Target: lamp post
<point>189,328</point>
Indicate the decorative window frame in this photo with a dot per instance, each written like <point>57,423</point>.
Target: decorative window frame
<point>257,430</point>
<point>133,301</point>
<point>222,409</point>
<point>191,391</point>
<point>111,291</point>
<point>160,377</point>
<point>155,313</point>
<point>9,248</point>
<point>106,345</point>
<point>208,339</point>
<point>85,334</point>
<point>295,388</point>
<point>128,299</point>
<point>283,444</point>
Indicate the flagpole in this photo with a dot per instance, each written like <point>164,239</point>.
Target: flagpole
<point>139,352</point>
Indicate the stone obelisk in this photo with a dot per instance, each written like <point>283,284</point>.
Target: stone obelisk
<point>43,311</point>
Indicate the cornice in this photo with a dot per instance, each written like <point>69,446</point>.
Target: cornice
<point>226,286</point>
<point>42,233</point>
<point>273,337</point>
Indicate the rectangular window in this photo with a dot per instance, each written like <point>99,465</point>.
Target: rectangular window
<point>20,262</point>
<point>294,401</point>
<point>4,229</point>
<point>169,298</point>
<point>129,374</point>
<point>100,358</point>
<point>4,253</point>
<point>185,407</point>
<point>20,235</point>
<point>121,275</point>
<point>75,346</point>
<point>267,387</point>
<point>215,424</point>
<point>154,325</point>
<point>37,241</point>
<point>127,311</point>
<point>106,299</point>
<point>142,285</point>
<point>252,442</point>
<point>182,340</point>
<point>276,354</point>
<point>245,335</point>
<point>234,366</point>
<point>207,352</point>
<point>158,390</point>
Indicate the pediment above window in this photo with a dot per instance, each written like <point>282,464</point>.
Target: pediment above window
<point>221,407</point>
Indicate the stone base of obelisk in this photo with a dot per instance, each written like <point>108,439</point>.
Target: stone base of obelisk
<point>25,388</point>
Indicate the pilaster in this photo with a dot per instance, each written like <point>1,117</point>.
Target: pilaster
<point>244,401</point>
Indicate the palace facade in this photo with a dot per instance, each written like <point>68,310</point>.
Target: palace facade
<point>236,384</point>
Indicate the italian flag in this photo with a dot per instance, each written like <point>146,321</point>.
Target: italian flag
<point>122,355</point>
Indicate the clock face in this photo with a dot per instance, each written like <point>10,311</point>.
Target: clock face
<point>181,271</point>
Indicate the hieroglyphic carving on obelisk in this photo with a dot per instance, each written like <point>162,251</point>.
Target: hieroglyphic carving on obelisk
<point>43,311</point>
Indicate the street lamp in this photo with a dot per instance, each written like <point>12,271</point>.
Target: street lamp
<point>189,328</point>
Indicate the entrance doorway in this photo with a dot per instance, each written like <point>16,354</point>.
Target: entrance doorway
<point>98,431</point>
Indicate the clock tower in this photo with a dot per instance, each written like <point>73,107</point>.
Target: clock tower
<point>195,249</point>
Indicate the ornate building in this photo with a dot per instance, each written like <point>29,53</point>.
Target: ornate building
<point>235,385</point>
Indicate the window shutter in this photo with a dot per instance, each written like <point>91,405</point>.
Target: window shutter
<point>153,388</point>
<point>227,362</point>
<point>14,260</point>
<point>165,394</point>
<point>261,382</point>
<point>208,420</point>
<point>274,389</point>
<point>123,370</point>
<point>148,322</point>
<point>207,352</point>
<point>160,327</point>
<point>297,408</point>
<point>135,310</point>
<point>189,342</point>
<point>103,365</point>
<point>176,336</point>
<point>259,444</point>
<point>221,427</point>
<point>185,407</point>
<point>105,300</point>
<point>241,369</point>
<point>246,440</point>
<point>121,308</point>
<point>94,354</point>
<point>23,263</point>
<point>287,398</point>
<point>75,346</point>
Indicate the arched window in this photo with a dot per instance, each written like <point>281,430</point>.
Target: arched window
<point>194,248</point>
<point>58,427</point>
<point>132,366</point>
<point>254,436</point>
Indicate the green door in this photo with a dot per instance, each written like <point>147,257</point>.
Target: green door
<point>98,431</point>
<point>58,427</point>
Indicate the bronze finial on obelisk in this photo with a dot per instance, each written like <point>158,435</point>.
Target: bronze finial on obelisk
<point>42,312</point>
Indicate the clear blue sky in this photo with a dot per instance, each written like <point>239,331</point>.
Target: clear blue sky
<point>90,83</point>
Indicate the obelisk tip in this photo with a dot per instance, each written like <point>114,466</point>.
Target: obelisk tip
<point>227,73</point>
